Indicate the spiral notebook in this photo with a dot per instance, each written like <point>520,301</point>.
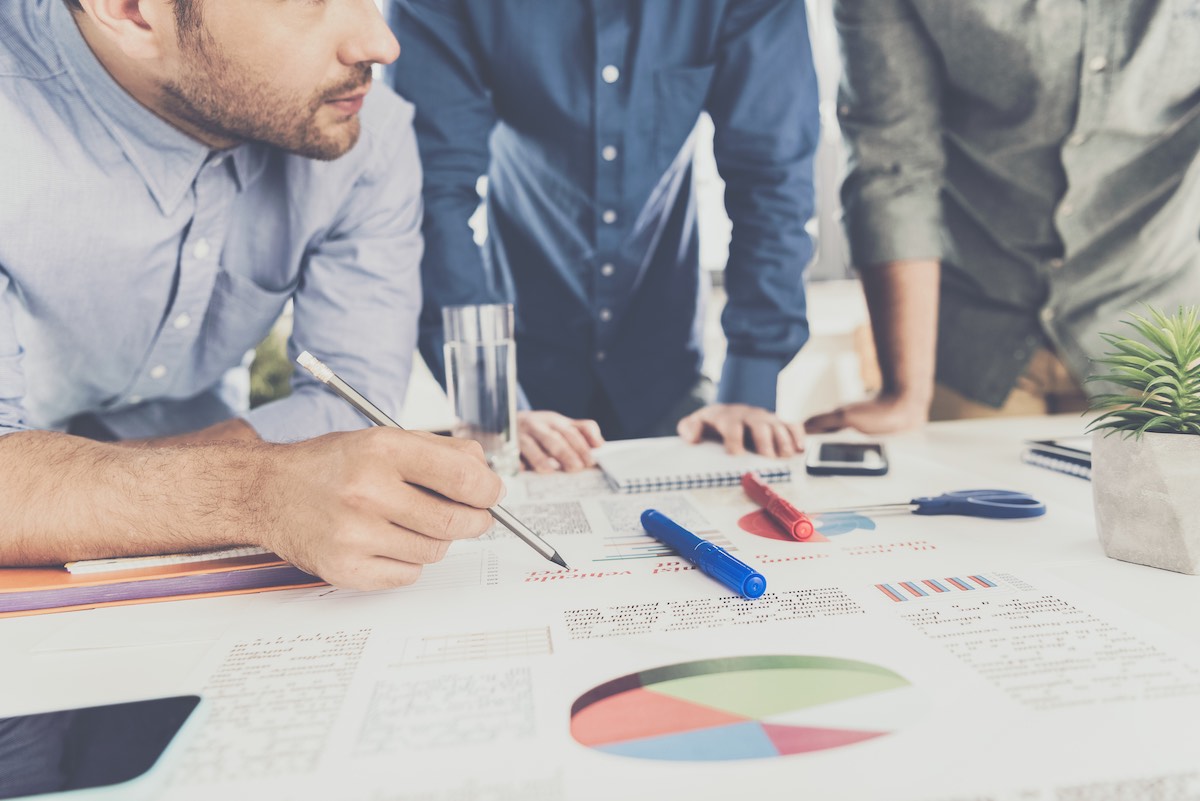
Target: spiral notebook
<point>1070,455</point>
<point>669,463</point>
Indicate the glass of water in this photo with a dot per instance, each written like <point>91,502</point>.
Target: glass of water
<point>481,380</point>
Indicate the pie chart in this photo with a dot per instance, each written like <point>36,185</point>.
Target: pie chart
<point>745,707</point>
<point>828,524</point>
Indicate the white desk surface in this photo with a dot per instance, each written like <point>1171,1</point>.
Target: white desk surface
<point>1106,710</point>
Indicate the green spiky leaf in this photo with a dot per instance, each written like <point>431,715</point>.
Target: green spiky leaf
<point>1160,366</point>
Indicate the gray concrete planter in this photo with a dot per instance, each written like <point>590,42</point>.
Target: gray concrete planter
<point>1147,498</point>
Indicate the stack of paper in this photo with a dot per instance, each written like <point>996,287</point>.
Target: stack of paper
<point>36,590</point>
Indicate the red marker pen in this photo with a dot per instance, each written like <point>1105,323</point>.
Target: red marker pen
<point>794,522</point>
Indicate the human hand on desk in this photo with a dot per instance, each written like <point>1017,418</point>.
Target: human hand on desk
<point>367,509</point>
<point>885,414</point>
<point>551,441</point>
<point>768,434</point>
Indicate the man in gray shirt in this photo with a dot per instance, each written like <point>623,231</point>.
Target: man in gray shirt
<point>1039,162</point>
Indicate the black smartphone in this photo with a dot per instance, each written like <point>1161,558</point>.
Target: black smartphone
<point>94,747</point>
<point>847,459</point>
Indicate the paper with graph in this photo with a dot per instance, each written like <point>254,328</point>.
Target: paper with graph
<point>898,657</point>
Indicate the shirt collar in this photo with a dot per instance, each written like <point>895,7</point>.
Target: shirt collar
<point>249,160</point>
<point>167,159</point>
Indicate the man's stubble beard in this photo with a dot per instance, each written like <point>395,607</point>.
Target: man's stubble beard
<point>215,100</point>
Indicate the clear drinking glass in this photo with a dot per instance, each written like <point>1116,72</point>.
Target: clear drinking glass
<point>481,380</point>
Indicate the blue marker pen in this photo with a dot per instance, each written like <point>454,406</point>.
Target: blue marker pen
<point>713,560</point>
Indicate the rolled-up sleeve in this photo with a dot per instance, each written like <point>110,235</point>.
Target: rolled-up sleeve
<point>889,107</point>
<point>455,117</point>
<point>357,304</point>
<point>763,103</point>
<point>12,379</point>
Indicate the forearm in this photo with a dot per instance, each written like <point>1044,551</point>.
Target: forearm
<point>443,71</point>
<point>64,498</point>
<point>902,297</point>
<point>890,114</point>
<point>764,106</point>
<point>233,430</point>
<point>453,272</point>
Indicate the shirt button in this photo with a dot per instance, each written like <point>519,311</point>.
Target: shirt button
<point>217,162</point>
<point>599,355</point>
<point>843,110</point>
<point>200,249</point>
<point>609,153</point>
<point>158,371</point>
<point>1056,264</point>
<point>134,400</point>
<point>1066,209</point>
<point>607,270</point>
<point>1047,315</point>
<point>605,315</point>
<point>610,74</point>
<point>183,320</point>
<point>609,216</point>
<point>1098,64</point>
<point>1077,139</point>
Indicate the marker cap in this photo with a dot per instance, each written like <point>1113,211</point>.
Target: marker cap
<point>730,571</point>
<point>795,522</point>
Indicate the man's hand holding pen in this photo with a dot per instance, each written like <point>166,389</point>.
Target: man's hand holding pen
<point>367,509</point>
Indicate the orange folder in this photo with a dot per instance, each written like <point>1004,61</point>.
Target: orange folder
<point>39,590</point>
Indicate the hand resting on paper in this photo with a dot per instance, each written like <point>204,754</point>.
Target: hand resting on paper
<point>738,424</point>
<point>551,441</point>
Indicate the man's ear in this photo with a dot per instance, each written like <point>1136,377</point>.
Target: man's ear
<point>139,28</point>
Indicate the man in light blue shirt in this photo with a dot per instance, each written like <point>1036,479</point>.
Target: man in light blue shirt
<point>176,171</point>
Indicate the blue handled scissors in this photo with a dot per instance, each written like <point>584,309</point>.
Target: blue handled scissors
<point>972,503</point>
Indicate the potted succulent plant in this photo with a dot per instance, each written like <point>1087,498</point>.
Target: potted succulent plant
<point>1146,445</point>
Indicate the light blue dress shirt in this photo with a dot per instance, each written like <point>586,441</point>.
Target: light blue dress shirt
<point>137,267</point>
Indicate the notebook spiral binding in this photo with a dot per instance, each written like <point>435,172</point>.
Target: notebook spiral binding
<point>1058,464</point>
<point>694,481</point>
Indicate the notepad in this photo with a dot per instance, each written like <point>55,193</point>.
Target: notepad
<point>159,560</point>
<point>37,590</point>
<point>1070,455</point>
<point>669,463</point>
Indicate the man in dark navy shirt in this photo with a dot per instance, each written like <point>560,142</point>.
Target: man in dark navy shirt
<point>582,115</point>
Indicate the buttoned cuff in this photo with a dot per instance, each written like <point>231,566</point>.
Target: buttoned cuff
<point>12,390</point>
<point>307,413</point>
<point>903,228</point>
<point>750,380</point>
<point>12,417</point>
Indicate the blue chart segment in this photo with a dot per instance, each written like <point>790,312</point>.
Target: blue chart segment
<point>834,523</point>
<point>900,591</point>
<point>735,741</point>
